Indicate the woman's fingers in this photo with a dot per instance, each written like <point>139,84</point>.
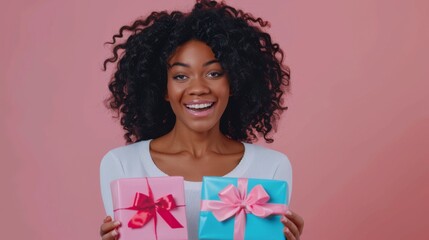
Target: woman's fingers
<point>107,219</point>
<point>112,235</point>
<point>290,227</point>
<point>108,228</point>
<point>294,225</point>
<point>296,219</point>
<point>288,234</point>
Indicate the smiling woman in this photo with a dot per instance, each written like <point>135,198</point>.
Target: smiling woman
<point>197,87</point>
<point>193,90</point>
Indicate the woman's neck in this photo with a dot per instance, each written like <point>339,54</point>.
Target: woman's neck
<point>196,143</point>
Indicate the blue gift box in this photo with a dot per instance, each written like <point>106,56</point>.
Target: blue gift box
<point>256,228</point>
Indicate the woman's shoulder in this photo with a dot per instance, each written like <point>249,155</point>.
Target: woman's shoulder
<point>268,154</point>
<point>127,152</point>
<point>125,161</point>
<point>268,163</point>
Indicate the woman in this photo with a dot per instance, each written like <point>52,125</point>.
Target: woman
<point>193,90</point>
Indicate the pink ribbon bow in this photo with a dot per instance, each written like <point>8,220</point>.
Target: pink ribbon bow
<point>235,202</point>
<point>147,207</point>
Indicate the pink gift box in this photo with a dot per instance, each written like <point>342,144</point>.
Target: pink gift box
<point>150,208</point>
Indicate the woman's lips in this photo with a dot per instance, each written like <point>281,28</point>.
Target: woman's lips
<point>197,106</point>
<point>200,109</point>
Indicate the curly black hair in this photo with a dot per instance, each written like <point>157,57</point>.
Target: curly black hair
<point>254,64</point>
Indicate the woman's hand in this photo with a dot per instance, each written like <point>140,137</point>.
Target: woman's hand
<point>108,229</point>
<point>294,224</point>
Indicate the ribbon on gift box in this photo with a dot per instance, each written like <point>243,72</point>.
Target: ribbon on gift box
<point>235,202</point>
<point>147,207</point>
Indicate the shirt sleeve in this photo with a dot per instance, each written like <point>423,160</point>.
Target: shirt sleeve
<point>284,172</point>
<point>110,169</point>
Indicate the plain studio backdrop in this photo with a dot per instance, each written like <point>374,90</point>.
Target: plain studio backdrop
<point>357,128</point>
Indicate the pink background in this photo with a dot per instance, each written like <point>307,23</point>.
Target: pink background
<point>357,131</point>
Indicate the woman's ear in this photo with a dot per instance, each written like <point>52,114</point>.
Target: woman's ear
<point>166,96</point>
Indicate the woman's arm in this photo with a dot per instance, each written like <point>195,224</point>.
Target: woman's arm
<point>110,169</point>
<point>293,222</point>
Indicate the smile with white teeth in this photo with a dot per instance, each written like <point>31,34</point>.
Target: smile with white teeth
<point>199,106</point>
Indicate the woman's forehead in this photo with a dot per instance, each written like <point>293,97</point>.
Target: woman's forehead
<point>192,53</point>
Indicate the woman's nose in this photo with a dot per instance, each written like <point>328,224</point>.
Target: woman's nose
<point>198,86</point>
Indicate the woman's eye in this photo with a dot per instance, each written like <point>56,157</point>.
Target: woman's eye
<point>215,74</point>
<point>180,77</point>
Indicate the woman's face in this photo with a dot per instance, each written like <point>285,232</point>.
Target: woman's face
<point>197,87</point>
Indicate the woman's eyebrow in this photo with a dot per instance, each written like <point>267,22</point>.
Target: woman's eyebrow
<point>178,64</point>
<point>187,65</point>
<point>210,62</point>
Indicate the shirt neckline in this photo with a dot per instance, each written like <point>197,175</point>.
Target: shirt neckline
<point>153,170</point>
